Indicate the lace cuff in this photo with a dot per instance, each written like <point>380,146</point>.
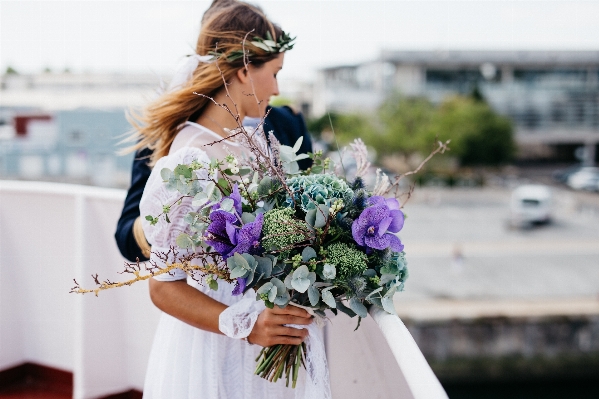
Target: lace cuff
<point>237,321</point>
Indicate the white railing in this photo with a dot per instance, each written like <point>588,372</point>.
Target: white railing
<point>51,233</point>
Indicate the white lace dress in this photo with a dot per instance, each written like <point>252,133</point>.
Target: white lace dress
<point>186,362</point>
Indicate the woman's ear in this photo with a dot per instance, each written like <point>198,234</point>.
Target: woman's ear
<point>243,75</point>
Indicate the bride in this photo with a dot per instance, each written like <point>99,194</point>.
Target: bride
<point>191,357</point>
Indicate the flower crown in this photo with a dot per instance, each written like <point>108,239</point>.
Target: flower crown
<point>284,43</point>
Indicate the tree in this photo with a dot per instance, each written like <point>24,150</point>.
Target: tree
<point>404,121</point>
<point>11,71</point>
<point>479,136</point>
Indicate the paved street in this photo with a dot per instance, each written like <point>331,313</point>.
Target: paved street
<point>459,246</point>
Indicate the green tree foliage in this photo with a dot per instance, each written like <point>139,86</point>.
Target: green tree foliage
<point>479,136</point>
<point>404,123</point>
<point>11,71</point>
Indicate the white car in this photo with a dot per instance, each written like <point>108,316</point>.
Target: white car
<point>530,204</point>
<point>586,178</point>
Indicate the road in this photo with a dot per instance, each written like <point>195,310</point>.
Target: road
<point>459,246</point>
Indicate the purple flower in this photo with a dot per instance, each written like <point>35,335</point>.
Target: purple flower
<point>239,287</point>
<point>375,226</point>
<point>217,232</point>
<point>236,197</point>
<point>247,239</point>
<point>225,235</point>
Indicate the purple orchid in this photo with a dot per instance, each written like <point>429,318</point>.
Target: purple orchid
<point>247,239</point>
<point>377,223</point>
<point>239,287</point>
<point>217,232</point>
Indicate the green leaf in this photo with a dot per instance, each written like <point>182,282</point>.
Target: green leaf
<point>281,290</point>
<point>238,272</point>
<point>213,284</point>
<point>387,302</point>
<point>308,253</point>
<point>316,169</point>
<point>298,144</point>
<point>358,307</point>
<point>247,217</point>
<point>244,171</point>
<point>224,185</point>
<point>167,219</point>
<point>183,170</point>
<point>227,205</point>
<point>149,218</point>
<point>327,298</point>
<point>264,266</point>
<point>313,295</point>
<point>300,281</point>
<point>184,241</point>
<point>166,174</point>
<point>322,215</point>
<point>345,309</point>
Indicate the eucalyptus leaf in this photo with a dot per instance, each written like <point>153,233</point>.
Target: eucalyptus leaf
<point>358,307</point>
<point>272,294</point>
<point>227,205</point>
<point>313,295</point>
<point>166,174</point>
<point>183,170</point>
<point>247,217</point>
<point>287,281</point>
<point>300,281</point>
<point>298,144</point>
<point>308,253</point>
<point>238,271</point>
<point>282,300</point>
<point>184,241</point>
<point>328,298</point>
<point>264,266</point>
<point>387,303</point>
<point>345,309</point>
<point>299,157</point>
<point>322,214</point>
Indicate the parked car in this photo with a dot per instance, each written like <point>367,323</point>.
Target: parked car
<point>562,175</point>
<point>530,204</point>
<point>586,178</point>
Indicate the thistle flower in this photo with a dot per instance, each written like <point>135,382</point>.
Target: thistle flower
<point>377,223</point>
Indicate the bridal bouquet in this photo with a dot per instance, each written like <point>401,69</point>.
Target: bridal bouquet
<point>311,238</point>
<point>308,238</point>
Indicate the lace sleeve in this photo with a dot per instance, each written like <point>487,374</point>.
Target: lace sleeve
<point>162,236</point>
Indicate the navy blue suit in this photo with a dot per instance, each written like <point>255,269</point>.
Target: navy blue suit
<point>287,127</point>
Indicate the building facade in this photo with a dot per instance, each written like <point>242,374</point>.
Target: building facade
<point>552,96</point>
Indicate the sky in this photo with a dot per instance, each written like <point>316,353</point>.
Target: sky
<point>152,36</point>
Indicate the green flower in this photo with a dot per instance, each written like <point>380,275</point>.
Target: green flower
<point>280,230</point>
<point>348,260</point>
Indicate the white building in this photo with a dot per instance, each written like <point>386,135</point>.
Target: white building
<point>552,96</point>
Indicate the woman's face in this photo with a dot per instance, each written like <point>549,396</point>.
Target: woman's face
<point>262,83</point>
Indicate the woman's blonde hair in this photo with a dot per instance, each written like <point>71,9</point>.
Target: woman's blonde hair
<point>223,31</point>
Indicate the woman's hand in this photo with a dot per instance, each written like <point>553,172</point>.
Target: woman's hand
<point>269,329</point>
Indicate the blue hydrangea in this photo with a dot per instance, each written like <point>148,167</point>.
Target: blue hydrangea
<point>312,190</point>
